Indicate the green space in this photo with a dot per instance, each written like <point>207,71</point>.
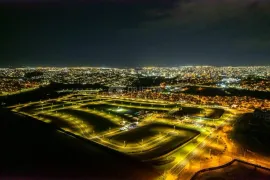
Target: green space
<point>82,101</point>
<point>138,108</point>
<point>149,104</point>
<point>98,122</point>
<point>136,135</point>
<point>183,111</point>
<point>164,148</point>
<point>145,142</point>
<point>53,102</point>
<point>99,107</point>
<point>81,96</point>
<point>29,109</point>
<point>217,113</point>
<point>59,122</point>
<point>35,149</point>
<point>53,107</point>
<point>123,112</point>
<point>144,132</point>
<point>177,137</point>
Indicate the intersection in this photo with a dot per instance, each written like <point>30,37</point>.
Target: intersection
<point>177,138</point>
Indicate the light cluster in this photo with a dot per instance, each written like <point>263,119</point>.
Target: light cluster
<point>251,78</point>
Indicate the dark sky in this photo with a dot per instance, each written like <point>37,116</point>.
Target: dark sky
<point>122,33</point>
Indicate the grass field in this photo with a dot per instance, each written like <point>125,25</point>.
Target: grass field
<point>135,135</point>
<point>59,122</point>
<point>46,108</point>
<point>75,101</point>
<point>124,112</point>
<point>30,108</point>
<point>177,138</point>
<point>148,141</point>
<point>132,109</point>
<point>34,149</point>
<point>188,111</point>
<point>49,103</point>
<point>216,114</point>
<point>144,104</point>
<point>99,123</point>
<point>168,146</point>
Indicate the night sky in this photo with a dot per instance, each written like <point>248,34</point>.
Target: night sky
<point>125,33</point>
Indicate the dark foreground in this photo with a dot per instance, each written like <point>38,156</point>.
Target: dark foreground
<point>34,150</point>
<point>236,169</point>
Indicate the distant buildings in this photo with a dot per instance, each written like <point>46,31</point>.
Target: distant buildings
<point>249,77</point>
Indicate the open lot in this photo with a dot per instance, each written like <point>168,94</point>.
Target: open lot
<point>29,109</point>
<point>173,138</point>
<point>157,139</point>
<point>34,149</point>
<point>59,122</point>
<point>143,104</point>
<point>190,111</point>
<point>127,113</point>
<point>99,123</point>
<point>148,131</point>
<point>216,114</point>
<point>136,135</point>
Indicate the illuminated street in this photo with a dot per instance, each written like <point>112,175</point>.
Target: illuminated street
<point>148,130</point>
<point>135,89</point>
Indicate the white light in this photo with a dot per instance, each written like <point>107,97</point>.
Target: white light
<point>120,110</point>
<point>223,85</point>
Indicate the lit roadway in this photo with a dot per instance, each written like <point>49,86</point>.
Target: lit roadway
<point>196,154</point>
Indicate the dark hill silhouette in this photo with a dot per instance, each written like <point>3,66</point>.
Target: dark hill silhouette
<point>32,149</point>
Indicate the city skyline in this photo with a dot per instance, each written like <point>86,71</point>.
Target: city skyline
<point>135,89</point>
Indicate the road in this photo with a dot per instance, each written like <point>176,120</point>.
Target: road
<point>189,158</point>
